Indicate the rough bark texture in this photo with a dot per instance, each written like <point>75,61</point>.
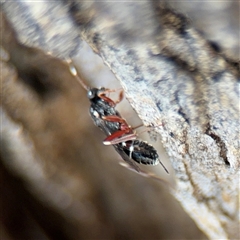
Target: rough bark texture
<point>179,83</point>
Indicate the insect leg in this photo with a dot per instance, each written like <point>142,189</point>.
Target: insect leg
<point>113,103</point>
<point>118,137</point>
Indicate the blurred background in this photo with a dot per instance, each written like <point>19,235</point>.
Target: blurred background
<point>58,181</point>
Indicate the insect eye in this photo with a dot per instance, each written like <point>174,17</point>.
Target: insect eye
<point>90,94</point>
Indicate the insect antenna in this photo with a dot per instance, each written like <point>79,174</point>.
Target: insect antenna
<point>75,73</point>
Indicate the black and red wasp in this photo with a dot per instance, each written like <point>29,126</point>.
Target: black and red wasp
<point>119,134</point>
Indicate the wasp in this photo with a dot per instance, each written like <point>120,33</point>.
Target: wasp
<point>119,134</point>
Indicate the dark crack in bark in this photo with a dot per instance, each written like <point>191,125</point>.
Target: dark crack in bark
<point>220,143</point>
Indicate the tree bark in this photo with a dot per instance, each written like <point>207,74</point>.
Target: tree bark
<point>181,86</point>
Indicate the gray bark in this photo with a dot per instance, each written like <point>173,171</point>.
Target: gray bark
<point>179,84</point>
